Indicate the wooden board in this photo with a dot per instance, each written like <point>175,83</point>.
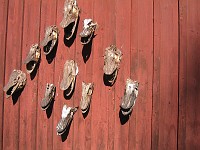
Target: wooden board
<point>45,128</point>
<point>141,71</point>
<point>3,35</point>
<point>188,133</point>
<point>84,58</point>
<point>159,41</point>
<point>109,28</point>
<point>11,122</point>
<point>28,103</point>
<point>99,126</point>
<point>165,80</point>
<point>66,51</point>
<point>123,29</point>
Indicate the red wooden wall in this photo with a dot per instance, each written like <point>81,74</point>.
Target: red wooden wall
<point>160,42</point>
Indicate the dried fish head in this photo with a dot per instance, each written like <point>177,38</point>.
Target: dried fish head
<point>69,76</point>
<point>89,28</point>
<point>66,118</point>
<point>87,90</point>
<point>70,18</point>
<point>49,96</point>
<point>16,82</point>
<point>112,59</point>
<point>32,58</point>
<point>129,98</point>
<point>50,39</point>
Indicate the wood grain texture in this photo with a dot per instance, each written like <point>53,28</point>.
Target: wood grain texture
<point>66,51</point>
<point>46,75</point>
<point>144,74</point>
<point>165,93</point>
<point>123,29</point>
<point>99,126</point>
<point>134,67</point>
<point>188,135</point>
<point>141,71</point>
<point>160,45</point>
<point>60,59</point>
<point>79,121</point>
<point>3,35</point>
<point>84,58</point>
<point>109,28</point>
<point>182,75</point>
<point>13,61</point>
<point>28,103</point>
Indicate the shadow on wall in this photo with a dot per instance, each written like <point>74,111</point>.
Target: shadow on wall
<point>69,43</point>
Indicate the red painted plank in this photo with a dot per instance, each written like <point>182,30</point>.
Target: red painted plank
<point>123,28</point>
<point>134,68</point>
<point>46,75</point>
<point>99,128</point>
<point>88,71</point>
<point>64,53</point>
<point>28,102</point>
<point>109,37</point>
<point>183,39</point>
<point>165,92</point>
<point>144,73</point>
<point>188,135</point>
<point>3,34</point>
<point>60,59</point>
<point>82,124</point>
<point>13,61</point>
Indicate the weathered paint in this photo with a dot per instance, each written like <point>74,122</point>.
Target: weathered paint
<point>159,41</point>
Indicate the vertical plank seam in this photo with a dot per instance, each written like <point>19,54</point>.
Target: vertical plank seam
<point>178,71</point>
<point>22,28</point>
<point>137,74</point>
<point>112,90</point>
<point>107,105</point>
<point>36,141</point>
<point>153,77</point>
<point>92,77</point>
<point>93,15</point>
<point>115,85</point>
<point>54,68</point>
<point>4,69</point>
<point>130,65</point>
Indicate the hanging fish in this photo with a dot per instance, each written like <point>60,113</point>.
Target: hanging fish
<point>32,58</point>
<point>112,59</point>
<point>66,118</point>
<point>48,96</point>
<point>130,96</point>
<point>89,28</point>
<point>69,76</point>
<point>16,82</point>
<point>87,91</point>
<point>70,18</point>
<point>50,38</point>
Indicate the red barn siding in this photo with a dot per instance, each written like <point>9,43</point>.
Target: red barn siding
<point>165,93</point>
<point>189,76</point>
<point>160,44</point>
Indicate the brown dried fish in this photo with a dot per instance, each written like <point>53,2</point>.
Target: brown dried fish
<point>32,58</point>
<point>50,39</point>
<point>89,28</point>
<point>66,118</point>
<point>87,91</point>
<point>16,82</point>
<point>69,76</point>
<point>129,98</point>
<point>49,96</point>
<point>112,59</point>
<point>70,18</point>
